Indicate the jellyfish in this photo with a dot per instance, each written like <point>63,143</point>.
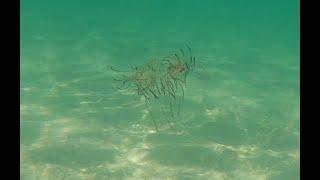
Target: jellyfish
<point>160,78</point>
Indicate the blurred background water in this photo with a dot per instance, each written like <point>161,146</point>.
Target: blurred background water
<point>240,115</point>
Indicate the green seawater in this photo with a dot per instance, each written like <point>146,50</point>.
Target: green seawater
<point>240,116</point>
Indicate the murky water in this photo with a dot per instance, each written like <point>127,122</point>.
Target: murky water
<point>239,118</point>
